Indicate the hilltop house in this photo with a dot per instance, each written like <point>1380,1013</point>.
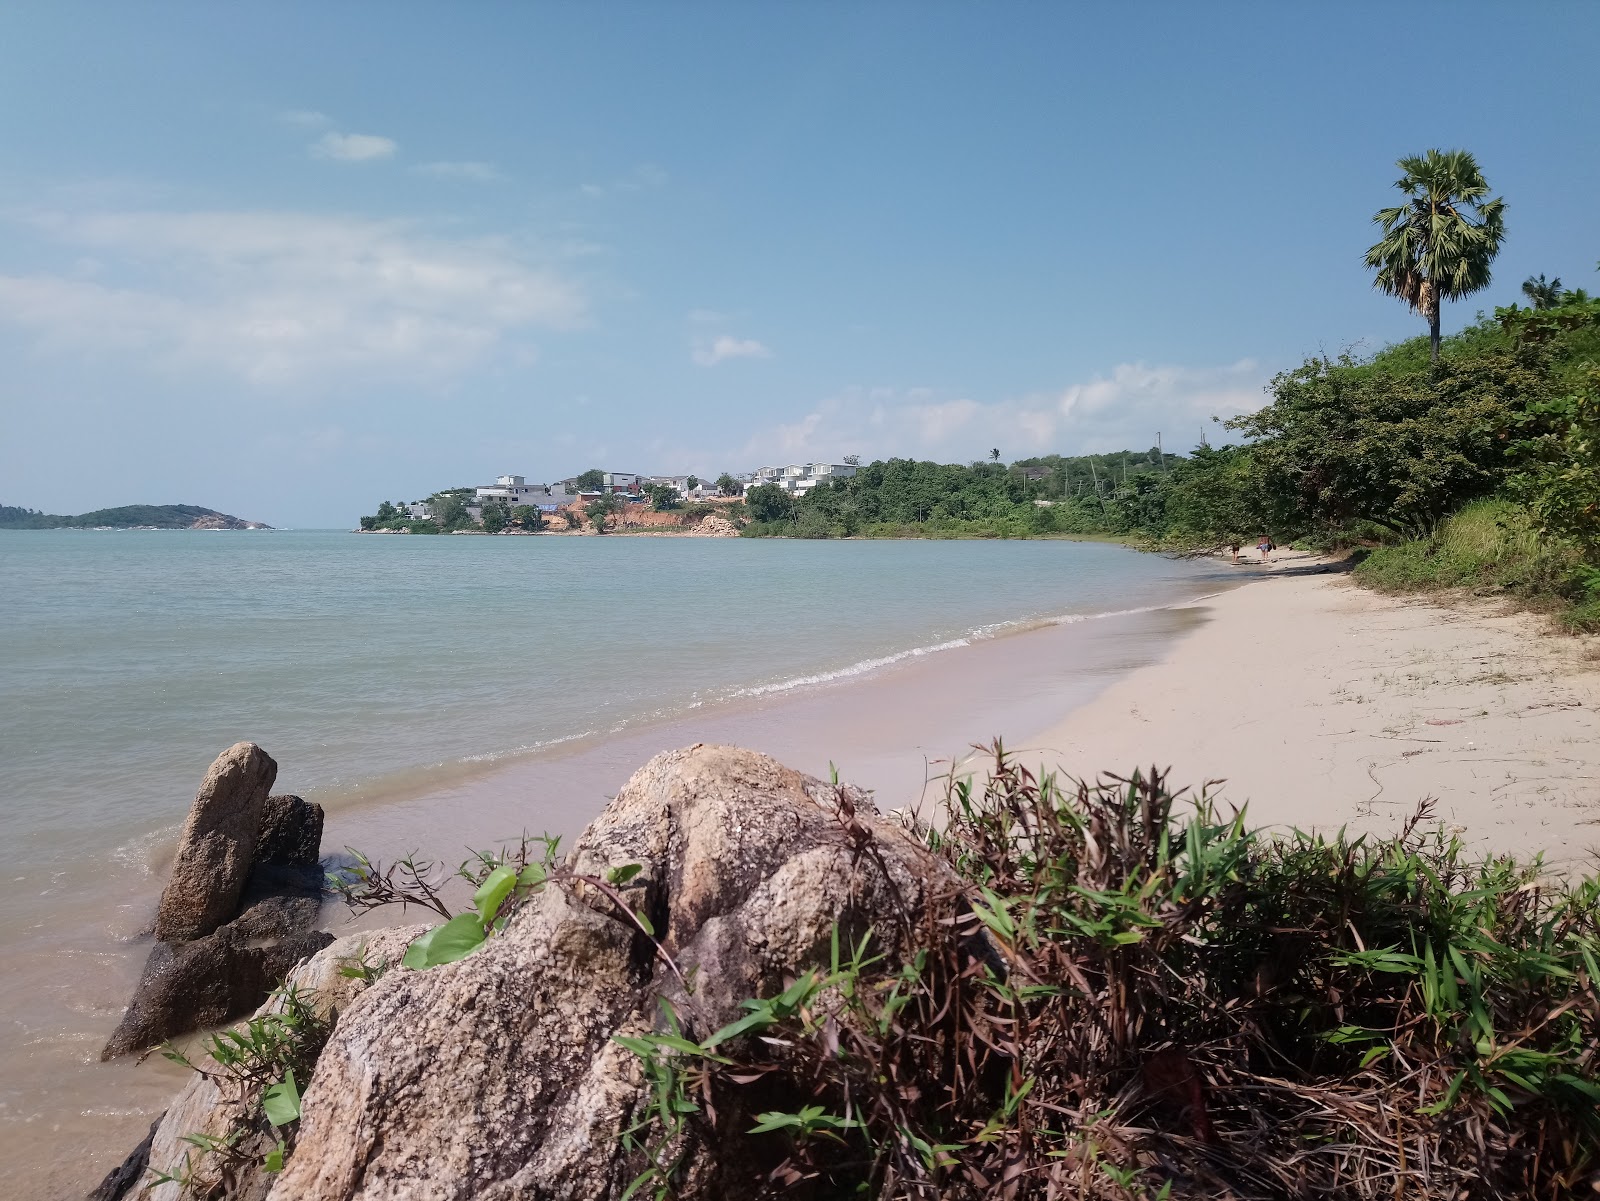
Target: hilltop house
<point>799,478</point>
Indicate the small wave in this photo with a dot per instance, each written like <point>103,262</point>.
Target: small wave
<point>979,634</point>
<point>855,669</point>
<point>527,748</point>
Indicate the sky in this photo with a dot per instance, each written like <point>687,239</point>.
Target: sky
<point>289,260</point>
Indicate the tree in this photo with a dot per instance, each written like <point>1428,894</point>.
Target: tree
<point>768,502</point>
<point>590,481</point>
<point>572,517</point>
<point>729,486</point>
<point>1561,481</point>
<point>600,511</point>
<point>853,460</point>
<point>450,510</point>
<point>994,455</point>
<point>663,497</point>
<point>1342,442</point>
<point>496,516</point>
<point>1540,294</point>
<point>387,512</point>
<point>1439,245</point>
<point>528,517</point>
<point>693,482</point>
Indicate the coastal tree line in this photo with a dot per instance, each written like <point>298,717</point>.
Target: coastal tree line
<point>1420,452</point>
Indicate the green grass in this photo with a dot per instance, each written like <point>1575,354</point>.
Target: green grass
<point>1488,549</point>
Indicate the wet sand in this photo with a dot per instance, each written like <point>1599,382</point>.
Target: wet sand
<point>65,1118</point>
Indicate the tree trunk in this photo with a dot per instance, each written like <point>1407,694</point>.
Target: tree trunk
<point>1433,332</point>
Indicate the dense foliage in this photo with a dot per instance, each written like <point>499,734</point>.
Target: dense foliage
<point>1347,450</point>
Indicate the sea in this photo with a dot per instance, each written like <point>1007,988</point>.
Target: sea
<point>435,693</point>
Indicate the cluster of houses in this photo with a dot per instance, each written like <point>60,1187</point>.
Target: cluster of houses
<point>630,487</point>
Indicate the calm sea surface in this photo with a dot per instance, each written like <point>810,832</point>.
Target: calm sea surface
<point>128,659</point>
<point>433,691</point>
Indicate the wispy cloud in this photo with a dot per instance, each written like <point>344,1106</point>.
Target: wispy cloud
<point>353,147</point>
<point>283,297</point>
<point>309,118</point>
<point>1126,408</point>
<point>718,350</point>
<point>642,178</point>
<point>475,171</point>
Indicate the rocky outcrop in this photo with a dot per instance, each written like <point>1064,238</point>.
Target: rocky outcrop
<point>222,949</point>
<point>207,1109</point>
<point>218,844</point>
<point>715,526</point>
<point>497,1076</point>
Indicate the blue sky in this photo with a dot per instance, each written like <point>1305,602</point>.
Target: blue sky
<point>289,260</point>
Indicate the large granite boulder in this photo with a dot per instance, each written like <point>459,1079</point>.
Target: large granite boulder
<point>218,845</point>
<point>497,1076</point>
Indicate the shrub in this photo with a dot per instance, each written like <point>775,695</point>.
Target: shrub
<point>1131,994</point>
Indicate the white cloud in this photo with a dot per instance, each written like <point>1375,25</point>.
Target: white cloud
<point>1125,409</point>
<point>284,297</point>
<point>474,171</point>
<point>646,177</point>
<point>709,354</point>
<point>353,147</point>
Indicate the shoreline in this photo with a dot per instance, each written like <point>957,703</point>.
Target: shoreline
<point>893,728</point>
<point>1318,700</point>
<point>1321,704</point>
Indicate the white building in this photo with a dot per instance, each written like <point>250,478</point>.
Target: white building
<point>800,478</point>
<point>515,491</point>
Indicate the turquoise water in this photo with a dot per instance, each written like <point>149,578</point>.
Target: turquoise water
<point>130,658</point>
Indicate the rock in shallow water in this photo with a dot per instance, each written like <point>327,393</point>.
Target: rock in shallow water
<point>256,917</point>
<point>218,844</point>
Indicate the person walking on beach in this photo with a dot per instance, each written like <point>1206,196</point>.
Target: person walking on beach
<point>1234,547</point>
<point>1264,546</point>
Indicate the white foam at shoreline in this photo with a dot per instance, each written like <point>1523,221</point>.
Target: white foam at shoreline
<point>866,666</point>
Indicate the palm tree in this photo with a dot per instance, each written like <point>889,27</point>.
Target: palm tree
<point>994,455</point>
<point>1540,294</point>
<point>1439,244</point>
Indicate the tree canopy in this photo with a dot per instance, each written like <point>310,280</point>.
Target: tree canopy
<point>1438,245</point>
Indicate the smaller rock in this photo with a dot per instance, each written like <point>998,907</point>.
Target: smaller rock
<point>218,845</point>
<point>208,981</point>
<point>291,833</point>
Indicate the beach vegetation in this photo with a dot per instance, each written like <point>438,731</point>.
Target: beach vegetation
<point>528,518</point>
<point>1132,994</point>
<point>260,1068</point>
<point>728,486</point>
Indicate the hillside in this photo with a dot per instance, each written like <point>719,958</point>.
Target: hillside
<point>158,517</point>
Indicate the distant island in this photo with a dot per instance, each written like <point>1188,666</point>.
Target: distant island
<point>127,517</point>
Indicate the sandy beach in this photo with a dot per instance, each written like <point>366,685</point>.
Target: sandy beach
<point>1322,704</point>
